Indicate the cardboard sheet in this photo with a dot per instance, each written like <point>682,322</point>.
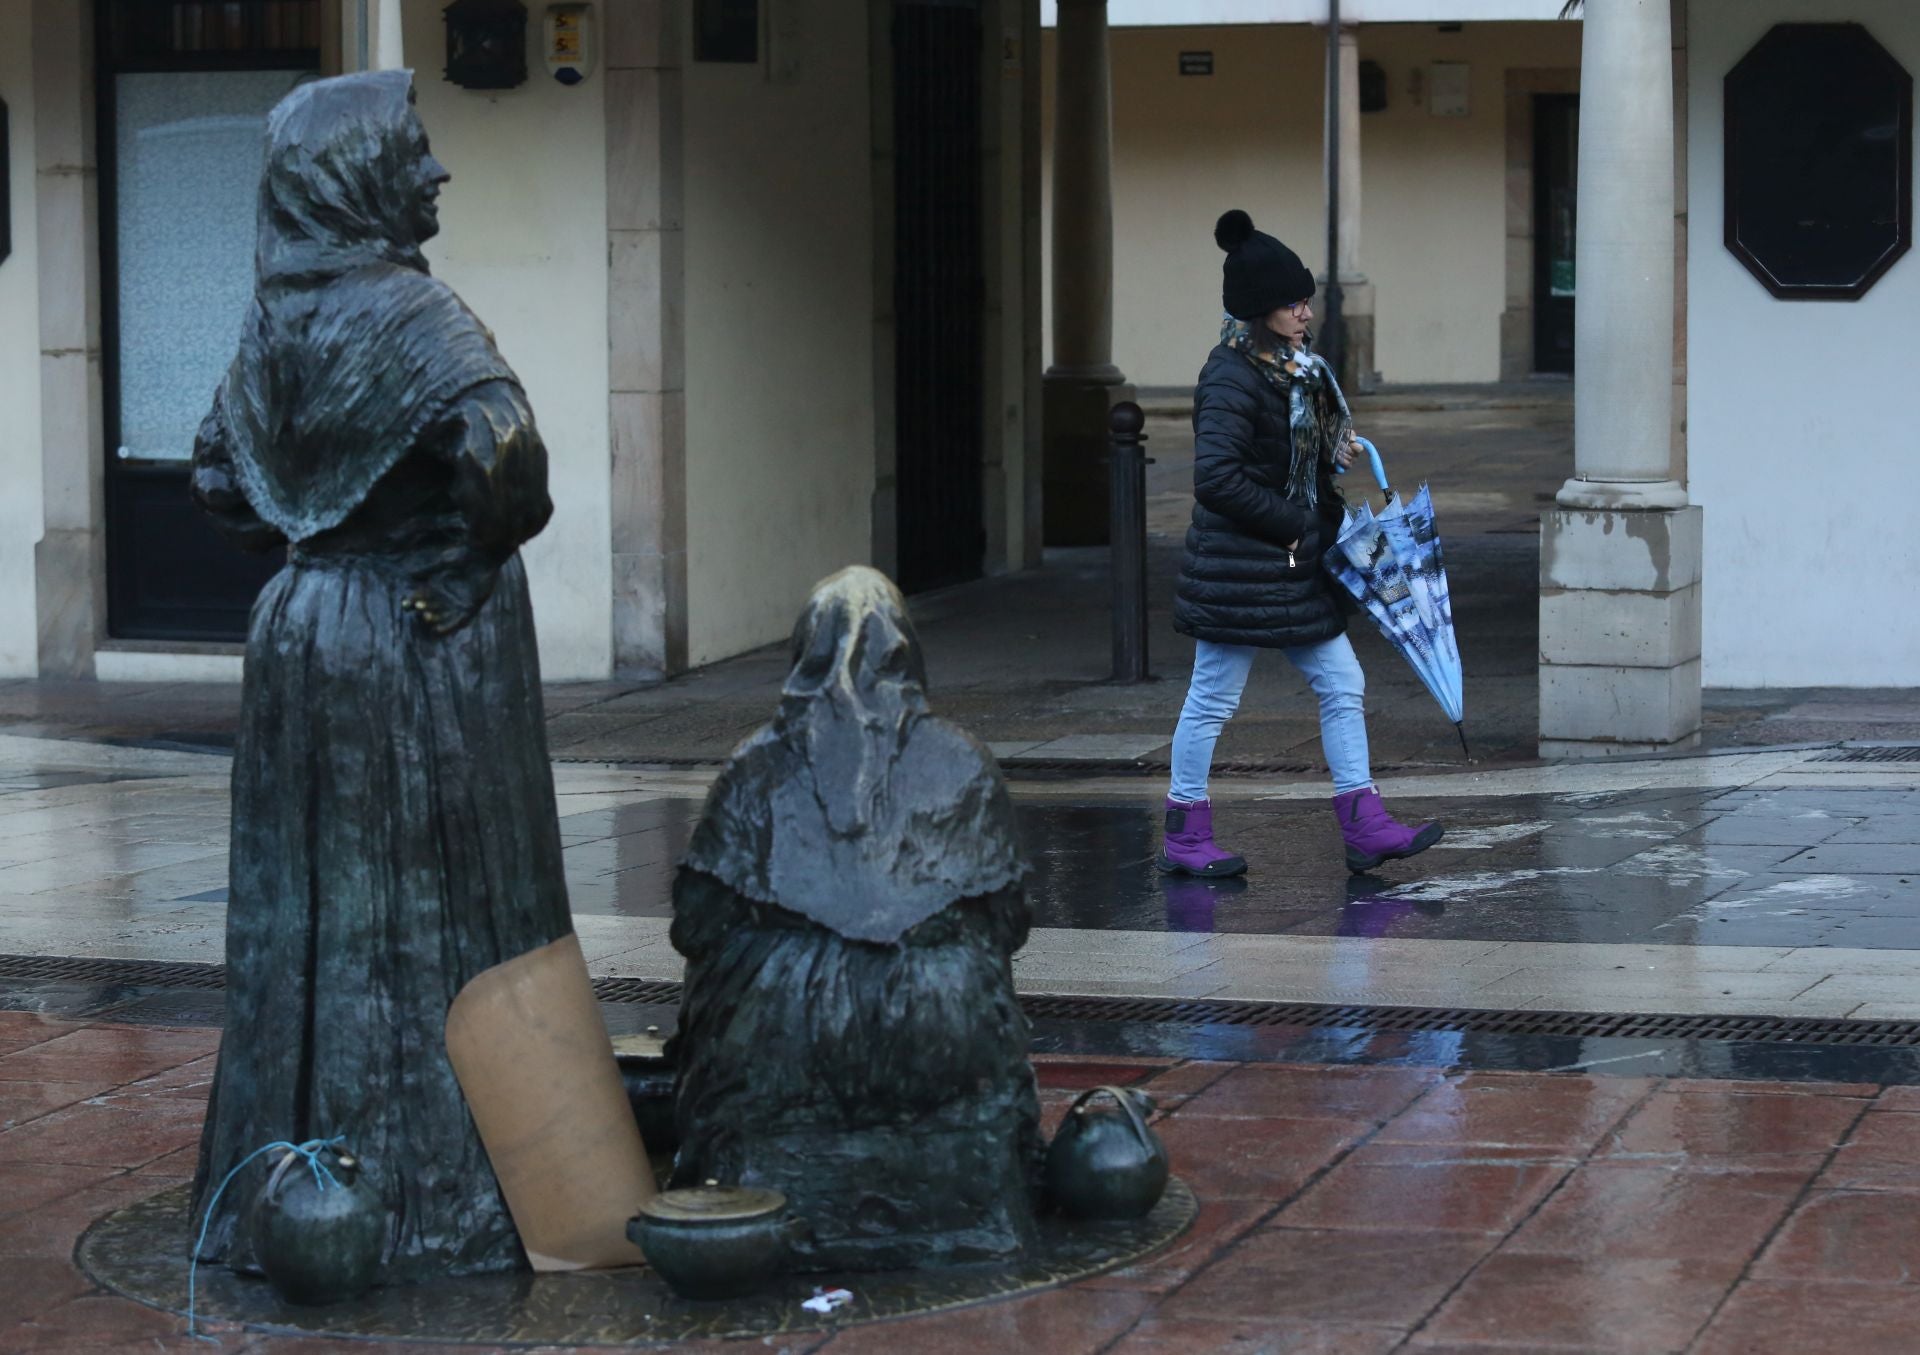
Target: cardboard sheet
<point>526,1041</point>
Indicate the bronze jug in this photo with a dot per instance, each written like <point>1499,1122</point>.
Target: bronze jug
<point>1107,1165</point>
<point>319,1242</point>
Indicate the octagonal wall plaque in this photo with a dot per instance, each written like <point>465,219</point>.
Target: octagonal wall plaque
<point>1819,161</point>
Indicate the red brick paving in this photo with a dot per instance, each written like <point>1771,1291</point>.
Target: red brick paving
<point>1345,1211</point>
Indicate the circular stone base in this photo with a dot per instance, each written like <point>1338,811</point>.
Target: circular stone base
<point>140,1253</point>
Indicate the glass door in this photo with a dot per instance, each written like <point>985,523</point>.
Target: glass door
<point>185,89</point>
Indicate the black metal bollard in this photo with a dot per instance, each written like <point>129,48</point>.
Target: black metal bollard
<point>1127,538</point>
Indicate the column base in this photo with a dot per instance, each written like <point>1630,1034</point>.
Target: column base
<point>1619,632</point>
<point>1656,495</point>
<point>1357,375</point>
<point>1075,403</point>
<point>1568,750</point>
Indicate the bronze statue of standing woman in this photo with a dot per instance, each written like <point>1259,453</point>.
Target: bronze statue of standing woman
<point>394,830</point>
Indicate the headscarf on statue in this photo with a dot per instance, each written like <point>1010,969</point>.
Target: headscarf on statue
<point>351,351</point>
<point>857,807</point>
<point>1316,409</point>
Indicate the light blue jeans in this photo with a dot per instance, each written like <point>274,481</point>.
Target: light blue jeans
<point>1220,676</point>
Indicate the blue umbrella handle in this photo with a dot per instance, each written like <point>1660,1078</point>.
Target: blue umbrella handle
<point>1379,470</point>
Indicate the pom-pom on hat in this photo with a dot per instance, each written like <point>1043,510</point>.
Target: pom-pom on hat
<point>1261,274</point>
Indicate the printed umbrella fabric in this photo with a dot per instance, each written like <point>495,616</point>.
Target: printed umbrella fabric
<point>1391,562</point>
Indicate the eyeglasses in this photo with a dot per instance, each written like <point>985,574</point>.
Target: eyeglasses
<point>1300,310</point>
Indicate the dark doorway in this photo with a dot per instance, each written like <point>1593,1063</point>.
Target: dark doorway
<point>1556,158</point>
<point>938,292</point>
<point>184,91</point>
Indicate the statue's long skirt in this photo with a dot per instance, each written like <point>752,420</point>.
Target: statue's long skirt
<point>394,834</point>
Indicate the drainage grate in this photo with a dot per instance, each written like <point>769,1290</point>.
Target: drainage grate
<point>1572,1025</point>
<point>131,973</point>
<point>647,992</point>
<point>1900,752</point>
<point>1170,1011</point>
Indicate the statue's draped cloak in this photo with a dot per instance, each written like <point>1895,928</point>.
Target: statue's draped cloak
<point>332,386</point>
<point>394,829</point>
<point>941,831</point>
<point>351,349</point>
<point>856,807</point>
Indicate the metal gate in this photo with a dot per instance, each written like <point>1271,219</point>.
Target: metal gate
<point>939,292</point>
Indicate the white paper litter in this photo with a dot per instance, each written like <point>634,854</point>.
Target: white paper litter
<point>826,1300</point>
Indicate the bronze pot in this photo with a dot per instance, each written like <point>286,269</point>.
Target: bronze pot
<point>1103,1165</point>
<point>714,1241</point>
<point>318,1243</point>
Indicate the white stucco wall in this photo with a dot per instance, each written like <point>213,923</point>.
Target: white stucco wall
<point>1800,420</point>
<point>20,519</point>
<point>779,328</point>
<point>524,240</point>
<point>1433,189</point>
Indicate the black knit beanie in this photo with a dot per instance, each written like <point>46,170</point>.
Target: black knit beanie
<point>1261,274</point>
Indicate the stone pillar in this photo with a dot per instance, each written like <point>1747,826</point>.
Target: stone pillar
<point>370,35</point>
<point>1082,385</point>
<point>646,336</point>
<point>1620,555</point>
<point>1356,293</point>
<point>69,560</point>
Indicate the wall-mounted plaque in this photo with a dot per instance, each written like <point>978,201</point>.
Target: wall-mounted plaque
<point>1819,161</point>
<point>1447,89</point>
<point>1196,63</point>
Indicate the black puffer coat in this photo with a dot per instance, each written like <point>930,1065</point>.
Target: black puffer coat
<point>1237,587</point>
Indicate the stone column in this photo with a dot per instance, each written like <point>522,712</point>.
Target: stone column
<point>69,560</point>
<point>370,35</point>
<point>1082,385</point>
<point>1620,556</point>
<point>1356,293</point>
<point>646,335</point>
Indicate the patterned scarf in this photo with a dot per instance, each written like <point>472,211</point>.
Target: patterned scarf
<point>1316,409</point>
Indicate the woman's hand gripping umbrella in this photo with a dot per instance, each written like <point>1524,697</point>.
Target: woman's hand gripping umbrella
<point>1391,562</point>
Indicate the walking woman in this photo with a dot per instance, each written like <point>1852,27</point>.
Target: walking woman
<point>1270,426</point>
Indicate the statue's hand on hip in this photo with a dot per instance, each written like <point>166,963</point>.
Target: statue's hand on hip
<point>448,594</point>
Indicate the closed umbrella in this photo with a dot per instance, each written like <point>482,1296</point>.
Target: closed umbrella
<point>1392,564</point>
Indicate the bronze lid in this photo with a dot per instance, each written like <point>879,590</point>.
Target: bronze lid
<point>650,1046</point>
<point>714,1204</point>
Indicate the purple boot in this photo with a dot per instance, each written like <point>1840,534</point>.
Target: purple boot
<point>1189,848</point>
<point>1373,835</point>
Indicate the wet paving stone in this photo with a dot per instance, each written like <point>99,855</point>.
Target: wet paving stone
<point>1191,1336</point>
<point>1832,1317</point>
<point>1392,1188</point>
<point>1872,1237</point>
<point>1284,1275</point>
<point>1728,1130</point>
<point>1637,1211</point>
<point>1541,1303</point>
<point>1557,1114</point>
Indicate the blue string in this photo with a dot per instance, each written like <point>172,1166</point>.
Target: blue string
<point>322,1177</point>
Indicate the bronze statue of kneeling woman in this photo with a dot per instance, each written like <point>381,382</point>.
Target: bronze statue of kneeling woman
<point>394,831</point>
<point>849,908</point>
